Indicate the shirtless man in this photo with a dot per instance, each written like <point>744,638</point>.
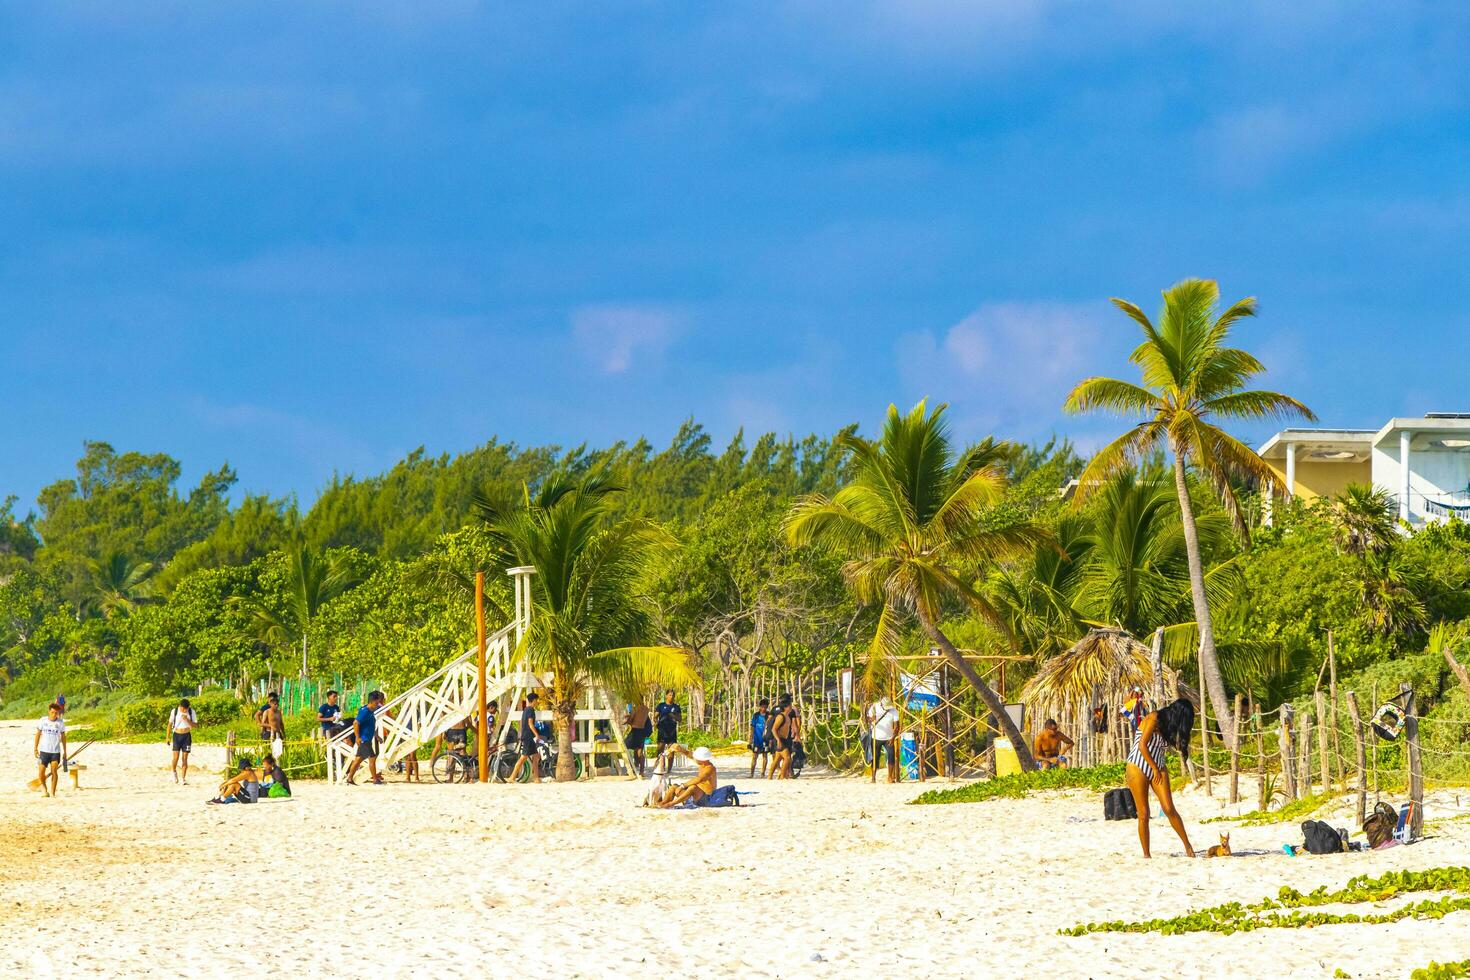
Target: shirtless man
<point>701,786</point>
<point>639,725</point>
<point>272,722</point>
<point>1049,745</point>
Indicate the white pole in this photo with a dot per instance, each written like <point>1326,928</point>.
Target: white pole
<point>1290,470</point>
<point>1404,436</point>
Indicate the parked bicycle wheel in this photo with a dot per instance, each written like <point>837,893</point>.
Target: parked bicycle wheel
<point>448,768</point>
<point>505,763</point>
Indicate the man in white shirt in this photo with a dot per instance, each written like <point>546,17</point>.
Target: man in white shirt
<point>883,717</point>
<point>50,747</point>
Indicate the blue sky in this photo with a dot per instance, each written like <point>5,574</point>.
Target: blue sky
<point>309,238</point>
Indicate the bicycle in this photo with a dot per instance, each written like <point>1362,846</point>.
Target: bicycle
<point>455,766</point>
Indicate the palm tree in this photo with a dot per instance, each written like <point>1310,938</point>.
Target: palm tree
<point>120,584</point>
<point>1363,520</point>
<point>313,579</point>
<point>589,617</point>
<point>1189,378</point>
<point>1036,598</point>
<point>912,516</point>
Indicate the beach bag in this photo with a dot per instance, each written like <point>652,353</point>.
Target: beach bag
<point>1118,805</point>
<point>1388,721</point>
<point>277,791</point>
<point>723,796</point>
<point>1380,824</point>
<point>1321,838</point>
<point>798,760</point>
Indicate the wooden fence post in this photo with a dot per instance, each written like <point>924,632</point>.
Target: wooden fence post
<point>1260,727</point>
<point>229,751</point>
<point>1362,757</point>
<point>1337,758</point>
<point>1322,743</point>
<point>1303,759</point>
<point>1416,768</point>
<point>1288,779</point>
<point>1235,754</point>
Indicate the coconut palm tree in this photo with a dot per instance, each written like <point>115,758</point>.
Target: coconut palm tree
<point>313,579</point>
<point>120,584</point>
<point>1364,521</point>
<point>1036,597</point>
<point>1189,378</point>
<point>590,618</point>
<point>913,516</point>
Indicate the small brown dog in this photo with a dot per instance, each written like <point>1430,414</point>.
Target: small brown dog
<point>1221,849</point>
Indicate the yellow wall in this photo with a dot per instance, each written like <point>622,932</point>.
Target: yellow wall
<point>1322,479</point>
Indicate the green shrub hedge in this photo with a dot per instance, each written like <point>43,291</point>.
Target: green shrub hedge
<point>151,714</point>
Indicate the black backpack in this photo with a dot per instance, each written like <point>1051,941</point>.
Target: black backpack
<point>1118,805</point>
<point>1321,837</point>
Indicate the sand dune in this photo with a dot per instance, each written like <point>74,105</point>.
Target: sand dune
<point>817,877</point>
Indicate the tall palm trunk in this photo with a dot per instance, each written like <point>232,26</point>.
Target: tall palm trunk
<point>991,699</point>
<point>1209,663</point>
<point>564,711</point>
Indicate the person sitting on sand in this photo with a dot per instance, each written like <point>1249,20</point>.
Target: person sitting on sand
<point>1166,727</point>
<point>1051,741</point>
<point>242,787</point>
<point>273,781</point>
<point>698,788</point>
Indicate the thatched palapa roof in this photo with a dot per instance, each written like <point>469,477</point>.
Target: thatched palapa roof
<point>1103,665</point>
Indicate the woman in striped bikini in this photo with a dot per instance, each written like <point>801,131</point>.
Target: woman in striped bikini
<point>1169,726</point>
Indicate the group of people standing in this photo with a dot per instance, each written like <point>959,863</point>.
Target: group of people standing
<point>775,738</point>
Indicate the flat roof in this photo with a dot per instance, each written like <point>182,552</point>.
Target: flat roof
<point>1448,422</point>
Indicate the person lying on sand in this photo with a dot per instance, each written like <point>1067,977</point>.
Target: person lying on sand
<point>242,787</point>
<point>696,789</point>
<point>1050,743</point>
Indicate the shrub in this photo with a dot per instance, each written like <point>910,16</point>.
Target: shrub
<point>148,715</point>
<point>151,714</point>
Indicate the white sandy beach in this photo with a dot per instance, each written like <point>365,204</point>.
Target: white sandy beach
<point>818,877</point>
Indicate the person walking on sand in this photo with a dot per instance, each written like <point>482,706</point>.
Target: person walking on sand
<point>760,749</point>
<point>640,726</point>
<point>365,727</point>
<point>50,747</point>
<point>668,715</point>
<point>181,724</point>
<point>883,717</point>
<point>1170,726</point>
<point>530,742</point>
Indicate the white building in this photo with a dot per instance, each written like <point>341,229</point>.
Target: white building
<point>1422,463</point>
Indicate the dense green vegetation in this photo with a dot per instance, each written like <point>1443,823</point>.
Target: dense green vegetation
<point>1017,785</point>
<point>1279,913</point>
<point>799,555</point>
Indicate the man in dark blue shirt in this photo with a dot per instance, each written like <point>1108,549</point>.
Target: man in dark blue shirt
<point>530,741</point>
<point>327,714</point>
<point>365,727</point>
<point>668,715</point>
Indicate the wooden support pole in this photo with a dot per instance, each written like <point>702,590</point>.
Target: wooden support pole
<point>482,722</point>
<point>1337,757</point>
<point>1361,755</point>
<point>1235,753</point>
<point>1288,779</point>
<point>1260,727</point>
<point>1416,768</point>
<point>1204,729</point>
<point>1303,757</point>
<point>1322,742</point>
<point>229,752</point>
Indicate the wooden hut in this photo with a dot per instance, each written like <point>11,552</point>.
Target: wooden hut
<point>1099,669</point>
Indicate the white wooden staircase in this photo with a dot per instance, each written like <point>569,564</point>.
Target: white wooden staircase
<point>452,693</point>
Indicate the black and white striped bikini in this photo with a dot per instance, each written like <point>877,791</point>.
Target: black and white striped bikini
<point>1138,758</point>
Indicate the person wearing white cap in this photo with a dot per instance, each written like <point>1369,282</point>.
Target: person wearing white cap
<point>703,783</point>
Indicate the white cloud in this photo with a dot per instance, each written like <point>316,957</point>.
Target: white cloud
<point>612,336</point>
<point>1007,366</point>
